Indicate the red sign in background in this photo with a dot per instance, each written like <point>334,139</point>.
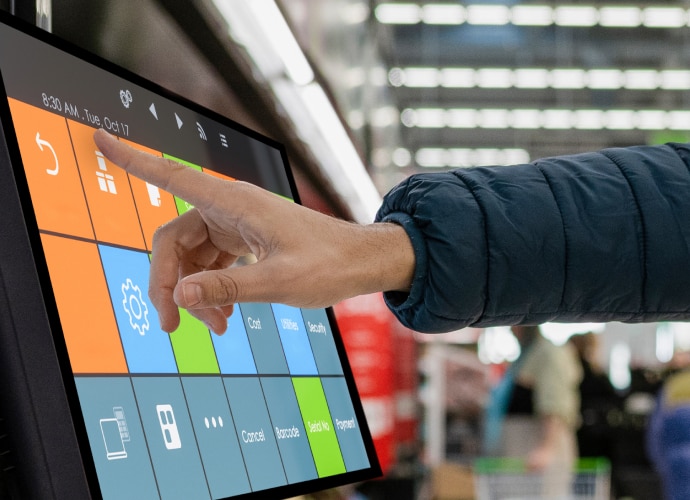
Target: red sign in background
<point>383,358</point>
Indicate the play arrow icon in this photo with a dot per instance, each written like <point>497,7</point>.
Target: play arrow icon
<point>179,121</point>
<point>152,109</point>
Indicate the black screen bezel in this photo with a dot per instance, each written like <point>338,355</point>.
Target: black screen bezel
<point>46,327</point>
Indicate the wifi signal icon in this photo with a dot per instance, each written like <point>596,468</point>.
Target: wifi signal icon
<point>200,129</point>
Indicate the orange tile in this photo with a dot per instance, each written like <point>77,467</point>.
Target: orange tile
<point>86,314</point>
<point>56,189</point>
<point>108,192</point>
<point>154,206</point>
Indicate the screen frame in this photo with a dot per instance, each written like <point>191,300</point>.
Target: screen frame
<point>51,448</point>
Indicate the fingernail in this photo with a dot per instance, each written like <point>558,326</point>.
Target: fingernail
<point>192,294</point>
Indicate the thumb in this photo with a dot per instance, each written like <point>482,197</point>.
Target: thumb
<point>224,287</point>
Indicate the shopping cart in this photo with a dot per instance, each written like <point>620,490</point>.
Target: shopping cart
<point>509,479</point>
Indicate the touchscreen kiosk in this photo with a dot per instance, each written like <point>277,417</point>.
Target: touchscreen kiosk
<point>100,402</point>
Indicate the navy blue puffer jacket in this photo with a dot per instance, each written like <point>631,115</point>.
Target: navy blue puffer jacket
<point>591,237</point>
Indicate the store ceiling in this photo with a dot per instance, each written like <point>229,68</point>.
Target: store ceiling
<point>560,74</point>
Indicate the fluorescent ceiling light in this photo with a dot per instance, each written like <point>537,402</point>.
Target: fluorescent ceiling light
<point>461,118</point>
<point>378,76</point>
<point>444,14</point>
<point>557,119</point>
<point>514,156</point>
<point>408,117</point>
<point>381,157</point>
<point>488,14</point>
<point>576,16</point>
<point>466,157</point>
<point>494,78</point>
<point>431,157</point>
<point>526,118</point>
<point>355,12</point>
<point>679,120</point>
<point>583,16</point>
<point>487,156</point>
<point>460,157</point>
<point>430,118</point>
<point>568,78</point>
<point>401,157</point>
<point>398,13</point>
<point>421,77</point>
<point>532,15</point>
<point>384,116</point>
<point>355,119</point>
<point>664,17</point>
<point>643,79</point>
<point>651,120</point>
<point>345,168</point>
<point>539,78</point>
<point>494,118</point>
<point>675,80</point>
<point>355,77</point>
<point>620,119</point>
<point>605,79</point>
<point>531,78</point>
<point>589,119</point>
<point>457,77</point>
<point>396,77</point>
<point>620,17</point>
<point>278,33</point>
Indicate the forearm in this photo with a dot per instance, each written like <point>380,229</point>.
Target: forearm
<point>596,237</point>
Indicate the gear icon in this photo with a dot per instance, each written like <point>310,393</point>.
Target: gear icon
<point>135,307</point>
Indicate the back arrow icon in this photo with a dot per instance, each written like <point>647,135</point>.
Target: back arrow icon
<point>41,143</point>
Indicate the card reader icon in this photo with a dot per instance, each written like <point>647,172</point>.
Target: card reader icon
<point>115,434</point>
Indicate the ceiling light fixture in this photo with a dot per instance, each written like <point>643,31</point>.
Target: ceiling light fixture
<point>564,119</point>
<point>575,16</point>
<point>541,78</point>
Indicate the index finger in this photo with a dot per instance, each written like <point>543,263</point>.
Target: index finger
<point>175,178</point>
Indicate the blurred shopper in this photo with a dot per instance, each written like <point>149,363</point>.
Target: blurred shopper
<point>541,411</point>
<point>668,436</point>
<point>598,401</point>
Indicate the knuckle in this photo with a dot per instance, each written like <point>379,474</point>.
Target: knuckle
<point>224,290</point>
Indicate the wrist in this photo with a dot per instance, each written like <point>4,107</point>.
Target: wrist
<point>392,263</point>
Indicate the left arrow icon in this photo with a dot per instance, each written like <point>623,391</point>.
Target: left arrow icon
<point>41,143</point>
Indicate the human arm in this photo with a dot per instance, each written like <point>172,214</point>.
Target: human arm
<point>546,451</point>
<point>304,258</point>
<point>591,237</point>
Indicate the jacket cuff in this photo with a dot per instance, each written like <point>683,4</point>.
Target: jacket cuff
<point>400,301</point>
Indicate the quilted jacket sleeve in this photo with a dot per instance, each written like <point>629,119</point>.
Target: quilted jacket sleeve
<point>592,237</point>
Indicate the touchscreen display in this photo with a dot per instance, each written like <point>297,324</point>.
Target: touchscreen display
<point>270,405</point>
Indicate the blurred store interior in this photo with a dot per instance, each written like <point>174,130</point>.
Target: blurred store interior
<point>364,93</point>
